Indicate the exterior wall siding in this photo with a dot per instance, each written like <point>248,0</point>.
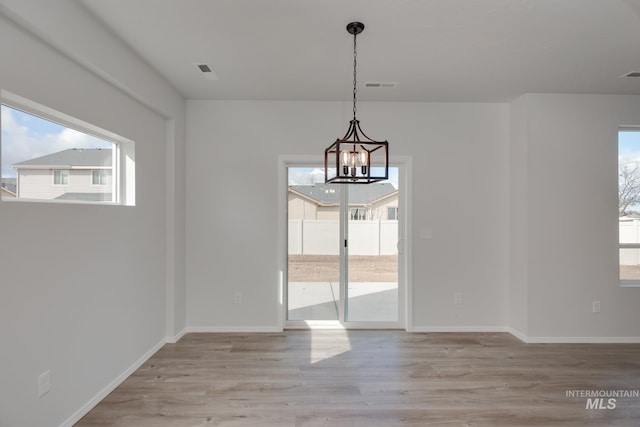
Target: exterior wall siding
<point>38,183</point>
<point>301,208</point>
<point>328,213</point>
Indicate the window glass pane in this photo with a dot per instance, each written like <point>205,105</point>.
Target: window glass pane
<point>392,214</point>
<point>61,177</point>
<point>629,173</point>
<point>629,202</point>
<point>372,267</point>
<point>313,267</point>
<point>99,177</point>
<point>33,146</point>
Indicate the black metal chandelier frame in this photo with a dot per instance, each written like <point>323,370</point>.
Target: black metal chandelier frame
<point>355,156</point>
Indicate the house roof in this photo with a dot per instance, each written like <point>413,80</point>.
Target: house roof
<point>70,158</point>
<point>329,194</point>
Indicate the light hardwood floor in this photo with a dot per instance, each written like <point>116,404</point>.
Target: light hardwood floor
<point>372,378</point>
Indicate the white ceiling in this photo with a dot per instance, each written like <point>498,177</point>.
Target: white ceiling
<point>438,50</point>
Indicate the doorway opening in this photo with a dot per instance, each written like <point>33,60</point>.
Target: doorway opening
<point>344,251</point>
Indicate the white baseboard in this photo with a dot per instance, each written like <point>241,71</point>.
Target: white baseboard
<point>112,386</point>
<point>582,340</point>
<point>175,339</point>
<point>232,329</point>
<point>522,337</point>
<point>460,329</point>
<point>573,340</point>
<point>530,340</point>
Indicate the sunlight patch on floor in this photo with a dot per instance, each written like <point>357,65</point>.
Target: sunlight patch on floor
<point>325,346</point>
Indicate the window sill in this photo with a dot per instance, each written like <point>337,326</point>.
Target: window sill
<point>59,202</point>
<point>630,283</point>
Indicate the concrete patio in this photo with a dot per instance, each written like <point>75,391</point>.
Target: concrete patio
<point>368,301</point>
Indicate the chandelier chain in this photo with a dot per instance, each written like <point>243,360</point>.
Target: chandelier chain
<point>355,63</point>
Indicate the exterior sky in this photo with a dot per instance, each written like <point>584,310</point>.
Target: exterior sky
<point>628,147</point>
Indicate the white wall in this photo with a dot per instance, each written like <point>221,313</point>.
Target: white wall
<point>518,217</point>
<point>570,250</point>
<point>459,154</point>
<point>68,27</point>
<point>90,298</point>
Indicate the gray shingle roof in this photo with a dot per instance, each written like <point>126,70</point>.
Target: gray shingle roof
<point>329,194</point>
<point>71,157</point>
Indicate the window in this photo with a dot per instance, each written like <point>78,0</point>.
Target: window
<point>99,166</point>
<point>392,214</point>
<point>99,177</point>
<point>629,206</point>
<point>357,214</point>
<point>61,177</point>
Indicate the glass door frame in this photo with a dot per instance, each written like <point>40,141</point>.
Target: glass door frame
<point>404,288</point>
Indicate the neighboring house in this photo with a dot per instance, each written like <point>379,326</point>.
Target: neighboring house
<point>73,174</point>
<point>322,201</point>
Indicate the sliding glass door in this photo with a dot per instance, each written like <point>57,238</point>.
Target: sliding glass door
<point>372,253</point>
<point>342,251</point>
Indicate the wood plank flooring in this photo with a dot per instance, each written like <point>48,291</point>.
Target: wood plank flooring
<point>372,378</point>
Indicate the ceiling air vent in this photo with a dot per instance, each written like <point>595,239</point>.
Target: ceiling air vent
<point>381,84</point>
<point>207,71</point>
<point>631,74</point>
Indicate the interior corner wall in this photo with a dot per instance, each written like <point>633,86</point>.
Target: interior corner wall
<point>572,219</point>
<point>460,171</point>
<point>82,287</point>
<point>518,225</point>
<point>176,211</point>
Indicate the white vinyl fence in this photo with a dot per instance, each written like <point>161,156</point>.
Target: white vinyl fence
<point>322,237</point>
<point>629,233</point>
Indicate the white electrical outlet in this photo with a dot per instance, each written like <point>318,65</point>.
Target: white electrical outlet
<point>44,383</point>
<point>596,306</point>
<point>457,298</point>
<point>237,298</point>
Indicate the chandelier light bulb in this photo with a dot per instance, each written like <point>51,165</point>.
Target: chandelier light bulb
<point>363,161</point>
<point>346,161</point>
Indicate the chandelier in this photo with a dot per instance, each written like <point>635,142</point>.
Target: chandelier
<point>356,158</point>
